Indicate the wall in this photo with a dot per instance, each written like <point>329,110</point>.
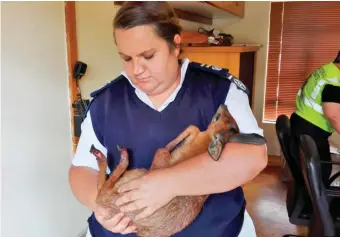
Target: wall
<point>36,135</point>
<point>95,44</point>
<point>254,28</point>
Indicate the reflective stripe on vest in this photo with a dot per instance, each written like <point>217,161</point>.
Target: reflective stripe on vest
<point>311,103</point>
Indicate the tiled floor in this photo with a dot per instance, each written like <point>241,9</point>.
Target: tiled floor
<point>266,204</point>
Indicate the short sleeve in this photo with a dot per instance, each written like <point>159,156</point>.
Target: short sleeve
<point>82,156</point>
<point>331,94</point>
<point>238,105</point>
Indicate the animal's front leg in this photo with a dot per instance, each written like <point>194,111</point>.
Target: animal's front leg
<point>161,159</point>
<point>187,136</point>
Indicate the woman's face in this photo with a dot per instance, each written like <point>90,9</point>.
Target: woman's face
<point>150,64</point>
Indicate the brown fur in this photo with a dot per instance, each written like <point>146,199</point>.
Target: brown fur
<point>180,211</point>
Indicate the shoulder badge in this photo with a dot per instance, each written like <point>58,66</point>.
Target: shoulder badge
<point>240,85</point>
<point>100,90</point>
<point>222,72</point>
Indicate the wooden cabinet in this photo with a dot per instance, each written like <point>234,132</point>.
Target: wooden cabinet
<point>238,59</point>
<point>234,7</point>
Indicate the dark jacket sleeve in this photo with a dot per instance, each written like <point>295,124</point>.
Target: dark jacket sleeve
<point>331,94</point>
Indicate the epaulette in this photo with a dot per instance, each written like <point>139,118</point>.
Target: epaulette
<point>222,72</point>
<point>100,90</point>
<point>239,84</point>
<point>95,93</point>
<point>219,71</point>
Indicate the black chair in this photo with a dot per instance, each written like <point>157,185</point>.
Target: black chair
<point>299,206</point>
<point>325,200</point>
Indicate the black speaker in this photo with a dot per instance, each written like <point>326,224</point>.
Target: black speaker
<point>79,70</point>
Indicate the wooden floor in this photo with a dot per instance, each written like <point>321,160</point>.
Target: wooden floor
<point>266,204</point>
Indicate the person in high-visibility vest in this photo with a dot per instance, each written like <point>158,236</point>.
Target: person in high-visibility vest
<point>317,111</point>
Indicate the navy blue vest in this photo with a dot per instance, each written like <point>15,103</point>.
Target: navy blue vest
<point>119,117</point>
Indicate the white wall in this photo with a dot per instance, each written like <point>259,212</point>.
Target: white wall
<point>36,136</point>
<point>96,45</point>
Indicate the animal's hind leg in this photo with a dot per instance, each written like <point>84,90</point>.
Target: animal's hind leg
<point>102,164</point>
<point>187,136</point>
<point>120,169</point>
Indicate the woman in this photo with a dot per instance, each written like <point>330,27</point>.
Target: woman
<point>155,99</point>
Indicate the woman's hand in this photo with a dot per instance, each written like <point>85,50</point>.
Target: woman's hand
<point>151,191</point>
<point>116,224</point>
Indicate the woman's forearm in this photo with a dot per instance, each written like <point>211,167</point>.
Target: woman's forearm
<point>239,163</point>
<point>335,121</point>
<point>332,113</point>
<point>83,182</point>
<point>336,125</point>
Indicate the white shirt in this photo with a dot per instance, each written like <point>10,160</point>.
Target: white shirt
<point>236,101</point>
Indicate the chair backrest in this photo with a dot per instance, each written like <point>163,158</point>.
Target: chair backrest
<point>283,133</point>
<point>322,224</point>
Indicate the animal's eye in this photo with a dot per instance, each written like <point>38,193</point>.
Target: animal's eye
<point>217,117</point>
<point>215,136</point>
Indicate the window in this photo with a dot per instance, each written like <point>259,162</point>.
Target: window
<point>303,36</point>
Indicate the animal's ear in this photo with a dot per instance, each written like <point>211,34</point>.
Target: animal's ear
<point>215,149</point>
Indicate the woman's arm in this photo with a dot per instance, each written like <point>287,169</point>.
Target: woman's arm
<point>83,182</point>
<point>83,179</point>
<point>84,171</point>
<point>331,105</point>
<point>239,163</point>
<point>332,113</point>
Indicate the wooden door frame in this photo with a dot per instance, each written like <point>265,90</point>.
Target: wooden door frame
<point>72,57</point>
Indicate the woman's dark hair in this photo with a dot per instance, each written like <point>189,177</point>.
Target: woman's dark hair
<point>158,14</point>
<point>337,58</point>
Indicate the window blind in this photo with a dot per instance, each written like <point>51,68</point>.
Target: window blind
<point>303,36</point>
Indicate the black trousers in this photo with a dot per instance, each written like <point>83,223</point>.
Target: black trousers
<point>300,126</point>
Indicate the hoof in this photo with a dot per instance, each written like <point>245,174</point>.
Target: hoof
<point>94,151</point>
<point>92,148</point>
<point>124,155</point>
